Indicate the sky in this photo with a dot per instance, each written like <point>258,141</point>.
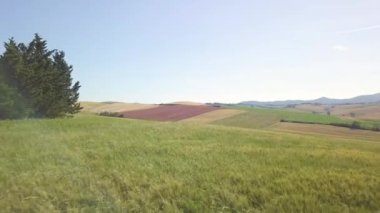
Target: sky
<point>156,51</point>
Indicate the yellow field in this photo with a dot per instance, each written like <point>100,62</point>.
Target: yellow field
<point>214,115</point>
<point>187,103</point>
<point>96,107</point>
<point>89,104</point>
<point>326,130</point>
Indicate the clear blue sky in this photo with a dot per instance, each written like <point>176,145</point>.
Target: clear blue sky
<point>214,50</point>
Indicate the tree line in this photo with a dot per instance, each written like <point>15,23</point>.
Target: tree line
<point>36,82</point>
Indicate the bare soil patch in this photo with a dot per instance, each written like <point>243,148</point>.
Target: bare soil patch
<point>214,115</point>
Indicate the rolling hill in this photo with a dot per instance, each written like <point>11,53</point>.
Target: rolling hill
<point>238,158</point>
<point>100,164</point>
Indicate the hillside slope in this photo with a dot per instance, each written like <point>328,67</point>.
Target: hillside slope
<point>97,107</point>
<point>91,163</point>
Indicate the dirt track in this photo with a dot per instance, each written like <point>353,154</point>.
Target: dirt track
<point>168,112</point>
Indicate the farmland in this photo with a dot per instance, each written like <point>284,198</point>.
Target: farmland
<point>201,159</point>
<point>97,107</point>
<point>171,112</point>
<point>214,115</point>
<point>351,111</point>
<point>327,130</point>
<point>238,116</point>
<point>190,106</point>
<point>92,163</point>
<point>264,118</point>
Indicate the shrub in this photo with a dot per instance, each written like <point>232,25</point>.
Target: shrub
<point>376,127</point>
<point>110,114</point>
<point>355,125</point>
<point>348,125</point>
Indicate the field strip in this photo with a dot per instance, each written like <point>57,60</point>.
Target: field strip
<point>209,117</point>
<point>116,107</point>
<point>317,129</point>
<point>168,112</point>
<point>353,111</point>
<point>188,103</point>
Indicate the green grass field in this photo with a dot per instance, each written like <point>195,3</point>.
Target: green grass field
<point>103,164</point>
<point>265,117</point>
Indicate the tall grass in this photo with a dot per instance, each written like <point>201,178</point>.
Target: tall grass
<point>106,164</point>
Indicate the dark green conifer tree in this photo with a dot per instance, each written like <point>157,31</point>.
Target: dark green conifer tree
<point>7,100</point>
<point>12,103</point>
<point>42,78</point>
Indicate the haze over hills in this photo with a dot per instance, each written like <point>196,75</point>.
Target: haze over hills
<point>363,99</point>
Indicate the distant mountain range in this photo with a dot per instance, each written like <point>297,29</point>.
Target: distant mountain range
<point>363,99</point>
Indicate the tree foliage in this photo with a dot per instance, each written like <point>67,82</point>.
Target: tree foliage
<point>37,80</point>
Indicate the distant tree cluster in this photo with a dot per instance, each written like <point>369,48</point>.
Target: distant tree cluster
<point>110,114</point>
<point>36,82</point>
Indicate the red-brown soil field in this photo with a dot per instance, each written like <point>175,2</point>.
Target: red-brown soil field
<point>174,112</point>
